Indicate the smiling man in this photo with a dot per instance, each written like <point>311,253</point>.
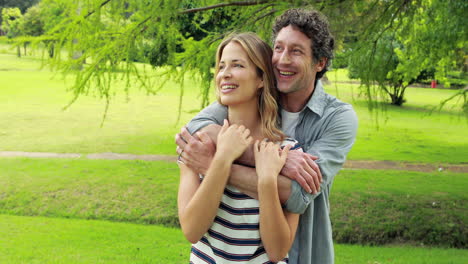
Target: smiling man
<point>323,125</point>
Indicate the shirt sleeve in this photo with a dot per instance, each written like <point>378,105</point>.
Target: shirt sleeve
<point>331,148</point>
<point>212,114</point>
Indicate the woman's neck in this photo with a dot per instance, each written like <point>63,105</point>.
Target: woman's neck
<point>248,116</point>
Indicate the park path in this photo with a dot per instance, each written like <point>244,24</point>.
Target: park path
<point>350,164</point>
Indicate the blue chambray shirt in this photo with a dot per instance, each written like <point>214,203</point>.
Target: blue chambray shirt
<point>327,128</point>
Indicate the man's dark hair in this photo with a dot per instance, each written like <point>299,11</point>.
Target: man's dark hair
<point>315,26</point>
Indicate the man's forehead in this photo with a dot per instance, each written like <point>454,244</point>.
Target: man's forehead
<point>290,33</point>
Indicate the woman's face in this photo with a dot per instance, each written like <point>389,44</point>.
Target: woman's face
<point>237,80</point>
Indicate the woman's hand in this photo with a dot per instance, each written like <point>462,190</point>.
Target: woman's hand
<point>233,141</point>
<point>269,158</point>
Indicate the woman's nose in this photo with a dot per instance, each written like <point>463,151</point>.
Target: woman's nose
<point>227,73</point>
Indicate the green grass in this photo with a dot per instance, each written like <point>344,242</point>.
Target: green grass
<point>52,240</point>
<point>408,133</point>
<point>130,191</point>
<point>428,208</point>
<point>408,206</point>
<point>55,240</point>
<point>32,107</point>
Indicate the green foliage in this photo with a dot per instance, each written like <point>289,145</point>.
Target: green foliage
<point>33,24</point>
<point>105,38</point>
<point>431,34</point>
<point>22,5</point>
<point>178,36</point>
<point>11,21</point>
<point>381,68</point>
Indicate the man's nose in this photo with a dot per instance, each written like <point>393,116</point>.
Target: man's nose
<point>285,58</point>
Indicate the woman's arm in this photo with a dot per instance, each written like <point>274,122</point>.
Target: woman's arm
<point>277,227</point>
<point>198,202</point>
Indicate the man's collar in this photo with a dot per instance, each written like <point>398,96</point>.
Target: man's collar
<point>317,102</point>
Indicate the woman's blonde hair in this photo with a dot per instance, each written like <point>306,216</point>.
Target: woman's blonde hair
<point>260,53</point>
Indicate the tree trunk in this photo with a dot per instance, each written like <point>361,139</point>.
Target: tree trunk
<point>398,95</point>
<point>51,50</point>
<point>18,51</point>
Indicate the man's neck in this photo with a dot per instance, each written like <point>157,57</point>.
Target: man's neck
<point>294,102</point>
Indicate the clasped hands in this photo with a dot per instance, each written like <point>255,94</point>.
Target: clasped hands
<point>197,151</point>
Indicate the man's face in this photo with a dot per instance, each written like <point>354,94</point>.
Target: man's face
<point>292,61</point>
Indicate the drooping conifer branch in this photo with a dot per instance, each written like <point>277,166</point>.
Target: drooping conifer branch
<point>243,3</point>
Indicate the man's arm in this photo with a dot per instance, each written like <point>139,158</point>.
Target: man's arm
<point>332,148</point>
<point>245,179</point>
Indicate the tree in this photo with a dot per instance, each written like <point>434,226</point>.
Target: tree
<point>425,35</point>
<point>388,79</point>
<point>22,5</point>
<point>179,37</point>
<point>11,24</point>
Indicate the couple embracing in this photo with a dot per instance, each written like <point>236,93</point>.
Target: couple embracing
<point>256,168</point>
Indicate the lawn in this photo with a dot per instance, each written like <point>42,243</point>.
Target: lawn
<point>410,207</point>
<point>117,211</point>
<point>54,240</point>
<point>32,107</point>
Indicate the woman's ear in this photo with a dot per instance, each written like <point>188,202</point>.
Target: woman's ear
<point>260,84</point>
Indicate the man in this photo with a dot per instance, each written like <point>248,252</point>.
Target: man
<point>324,126</point>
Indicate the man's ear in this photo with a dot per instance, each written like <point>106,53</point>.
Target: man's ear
<point>321,64</point>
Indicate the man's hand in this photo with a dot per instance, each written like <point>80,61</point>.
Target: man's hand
<point>302,168</point>
<point>197,151</point>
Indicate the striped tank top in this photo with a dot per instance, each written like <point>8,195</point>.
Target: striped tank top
<point>234,236</point>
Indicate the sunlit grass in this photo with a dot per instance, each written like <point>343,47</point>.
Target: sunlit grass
<point>65,241</point>
<point>32,105</point>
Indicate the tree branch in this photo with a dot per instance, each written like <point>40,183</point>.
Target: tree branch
<point>244,3</point>
<point>101,5</point>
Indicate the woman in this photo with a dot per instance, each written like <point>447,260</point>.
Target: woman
<point>224,224</point>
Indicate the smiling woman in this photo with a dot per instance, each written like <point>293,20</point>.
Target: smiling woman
<point>220,220</point>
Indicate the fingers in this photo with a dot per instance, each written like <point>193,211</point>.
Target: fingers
<point>185,134</point>
<point>204,137</point>
<point>303,183</point>
<point>284,153</point>
<point>180,141</point>
<point>256,146</point>
<point>225,126</point>
<point>311,177</point>
<point>316,169</point>
<point>179,150</point>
